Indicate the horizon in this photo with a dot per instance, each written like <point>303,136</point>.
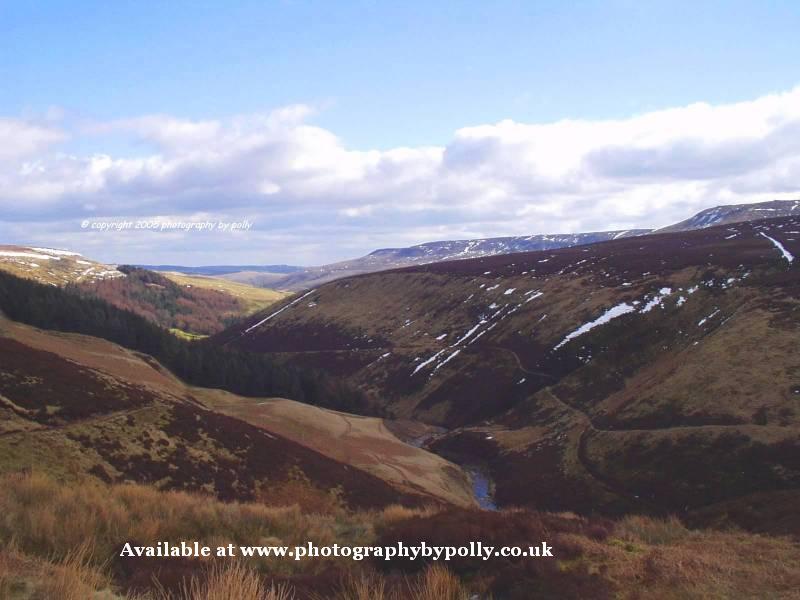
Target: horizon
<point>337,130</point>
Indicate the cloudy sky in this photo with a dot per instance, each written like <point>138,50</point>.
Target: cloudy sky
<point>339,127</point>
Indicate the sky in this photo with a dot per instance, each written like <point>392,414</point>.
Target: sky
<point>330,129</point>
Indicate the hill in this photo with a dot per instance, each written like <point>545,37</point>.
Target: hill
<point>194,305</point>
<point>298,278</point>
<point>74,405</point>
<point>251,298</point>
<point>737,213</point>
<point>190,305</point>
<point>54,267</point>
<point>431,252</point>
<point>650,374</point>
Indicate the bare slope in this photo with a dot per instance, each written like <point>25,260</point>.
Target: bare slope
<point>655,373</point>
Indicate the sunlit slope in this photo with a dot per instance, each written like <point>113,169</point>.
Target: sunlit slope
<point>252,298</point>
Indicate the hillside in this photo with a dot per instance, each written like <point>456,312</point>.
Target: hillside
<point>194,305</point>
<point>142,424</point>
<point>654,373</point>
<point>593,558</point>
<point>737,213</point>
<point>55,267</point>
<point>250,298</point>
<point>431,252</point>
<point>298,278</point>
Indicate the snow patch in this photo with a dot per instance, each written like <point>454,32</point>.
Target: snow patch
<point>611,313</point>
<point>786,254</point>
<point>279,311</point>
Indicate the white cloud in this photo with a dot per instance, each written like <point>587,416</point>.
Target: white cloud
<point>299,182</point>
<point>20,138</point>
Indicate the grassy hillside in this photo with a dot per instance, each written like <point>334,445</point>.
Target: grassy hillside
<point>630,558</point>
<point>654,374</point>
<point>365,442</point>
<point>74,405</point>
<point>251,298</point>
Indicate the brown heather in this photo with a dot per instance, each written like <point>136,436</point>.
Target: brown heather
<point>62,541</point>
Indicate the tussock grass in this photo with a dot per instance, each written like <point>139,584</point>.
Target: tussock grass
<point>437,583</point>
<point>232,582</point>
<point>49,520</point>
<point>62,541</point>
<point>74,577</point>
<point>651,530</point>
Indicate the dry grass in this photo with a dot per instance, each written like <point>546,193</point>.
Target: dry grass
<point>74,577</point>
<point>662,559</point>
<point>437,583</point>
<point>57,541</point>
<point>652,531</point>
<point>232,582</point>
<point>48,520</point>
<point>362,586</point>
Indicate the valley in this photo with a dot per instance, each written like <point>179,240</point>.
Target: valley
<point>635,398</point>
<point>650,374</point>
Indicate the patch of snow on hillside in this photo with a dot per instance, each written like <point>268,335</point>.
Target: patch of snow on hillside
<point>509,291</point>
<point>15,254</point>
<point>786,254</point>
<point>425,363</point>
<point>56,252</point>
<point>611,313</point>
<point>657,299</point>
<point>279,311</point>
<point>532,295</point>
<point>470,332</point>
<point>703,321</point>
<point>445,361</point>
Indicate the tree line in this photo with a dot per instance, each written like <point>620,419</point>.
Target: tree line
<point>198,363</point>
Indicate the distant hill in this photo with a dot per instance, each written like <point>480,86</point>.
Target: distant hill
<point>292,278</point>
<point>432,252</point>
<point>737,213</point>
<point>217,270</point>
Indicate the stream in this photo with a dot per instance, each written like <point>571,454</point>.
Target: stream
<point>482,484</point>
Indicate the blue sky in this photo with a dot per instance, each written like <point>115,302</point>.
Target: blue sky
<point>379,77</point>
